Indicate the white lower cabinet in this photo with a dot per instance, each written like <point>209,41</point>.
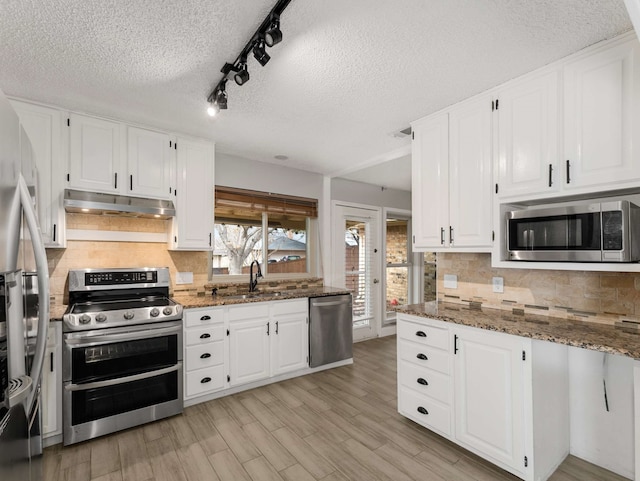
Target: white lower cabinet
<point>52,382</point>
<point>204,351</point>
<point>503,397</point>
<point>230,346</point>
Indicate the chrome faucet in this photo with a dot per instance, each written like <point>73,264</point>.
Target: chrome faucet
<point>253,283</point>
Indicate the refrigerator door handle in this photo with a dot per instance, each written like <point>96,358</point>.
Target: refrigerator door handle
<point>42,271</point>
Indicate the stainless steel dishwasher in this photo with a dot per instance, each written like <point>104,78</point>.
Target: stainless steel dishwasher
<point>330,329</point>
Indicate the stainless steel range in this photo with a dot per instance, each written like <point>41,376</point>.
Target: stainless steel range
<point>122,357</point>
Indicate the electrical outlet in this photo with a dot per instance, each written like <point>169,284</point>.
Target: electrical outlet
<point>450,281</point>
<point>184,277</point>
<point>498,284</point>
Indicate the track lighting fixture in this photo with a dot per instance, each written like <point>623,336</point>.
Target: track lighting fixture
<point>273,35</point>
<point>260,54</point>
<point>242,75</point>
<point>268,34</point>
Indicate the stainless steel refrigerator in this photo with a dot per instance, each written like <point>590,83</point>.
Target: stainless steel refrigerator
<point>24,304</point>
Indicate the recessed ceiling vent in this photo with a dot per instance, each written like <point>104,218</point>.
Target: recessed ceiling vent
<point>401,134</point>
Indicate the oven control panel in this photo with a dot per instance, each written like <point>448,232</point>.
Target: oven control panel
<point>77,319</point>
<point>83,280</point>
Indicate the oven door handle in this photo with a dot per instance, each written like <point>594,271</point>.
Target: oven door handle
<point>122,380</point>
<point>125,336</point>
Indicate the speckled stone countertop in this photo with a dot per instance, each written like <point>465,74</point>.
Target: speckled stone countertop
<point>191,301</point>
<point>608,338</point>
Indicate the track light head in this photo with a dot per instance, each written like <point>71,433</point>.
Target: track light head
<point>260,53</point>
<point>242,76</point>
<point>221,99</point>
<point>273,35</point>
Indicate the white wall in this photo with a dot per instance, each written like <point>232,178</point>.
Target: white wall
<point>361,193</point>
<point>601,437</point>
<point>234,171</point>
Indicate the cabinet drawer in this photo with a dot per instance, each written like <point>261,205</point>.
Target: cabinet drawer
<point>201,317</point>
<point>425,411</point>
<point>204,381</point>
<point>210,354</point>
<point>203,335</point>
<point>429,335</point>
<point>422,355</point>
<point>425,381</point>
<point>297,306</point>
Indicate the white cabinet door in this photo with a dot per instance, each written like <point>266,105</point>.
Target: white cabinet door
<point>470,174</point>
<point>52,382</point>
<point>94,154</point>
<point>602,117</point>
<point>289,344</point>
<point>430,181</point>
<point>489,395</point>
<point>43,127</point>
<point>249,350</point>
<point>193,223</point>
<point>528,124</point>
<point>149,163</point>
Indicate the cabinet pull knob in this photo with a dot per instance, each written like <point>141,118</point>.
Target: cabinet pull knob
<point>422,357</point>
<point>568,171</point>
<point>206,335</point>
<point>205,355</point>
<point>422,410</point>
<point>421,334</point>
<point>205,380</point>
<point>422,381</point>
<point>550,175</point>
<point>205,318</point>
<point>442,235</point>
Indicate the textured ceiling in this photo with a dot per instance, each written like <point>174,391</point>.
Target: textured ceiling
<point>347,75</point>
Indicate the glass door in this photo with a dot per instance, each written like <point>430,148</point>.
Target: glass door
<point>357,266</point>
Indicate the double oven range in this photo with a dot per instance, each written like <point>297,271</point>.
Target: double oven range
<point>122,351</point>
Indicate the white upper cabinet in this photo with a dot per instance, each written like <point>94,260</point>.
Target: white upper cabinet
<point>528,140</point>
<point>451,178</point>
<point>193,223</point>
<point>430,180</point>
<point>43,127</point>
<point>149,163</point>
<point>602,118</point>
<point>470,174</point>
<point>95,154</point>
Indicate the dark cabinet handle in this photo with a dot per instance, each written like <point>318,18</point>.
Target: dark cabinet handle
<point>423,357</point>
<point>206,335</point>
<point>115,183</point>
<point>267,328</point>
<point>568,171</point>
<point>205,318</point>
<point>455,344</point>
<point>422,381</point>
<point>550,175</point>
<point>209,239</point>
<point>205,355</point>
<point>51,363</point>
<point>205,380</point>
<point>131,182</point>
<point>442,235</point>
<point>450,235</point>
<point>277,327</point>
<point>422,410</point>
<point>421,334</point>
<point>54,232</point>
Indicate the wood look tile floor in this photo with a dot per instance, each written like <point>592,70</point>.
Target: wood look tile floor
<point>334,425</point>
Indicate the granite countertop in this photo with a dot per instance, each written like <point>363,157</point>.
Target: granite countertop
<point>192,301</point>
<point>613,339</point>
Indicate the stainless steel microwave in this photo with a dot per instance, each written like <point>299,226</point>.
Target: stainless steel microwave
<point>589,232</point>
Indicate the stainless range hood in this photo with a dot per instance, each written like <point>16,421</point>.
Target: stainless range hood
<point>118,205</point>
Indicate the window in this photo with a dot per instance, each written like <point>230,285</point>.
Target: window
<point>271,229</point>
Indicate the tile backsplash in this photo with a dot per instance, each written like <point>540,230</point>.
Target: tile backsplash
<point>600,296</point>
